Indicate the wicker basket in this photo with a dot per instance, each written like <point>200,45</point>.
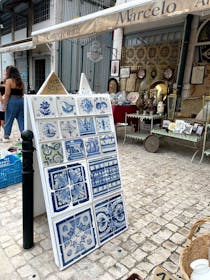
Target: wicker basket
<point>196,248</point>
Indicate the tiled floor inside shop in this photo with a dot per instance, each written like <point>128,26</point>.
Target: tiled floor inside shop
<point>164,194</point>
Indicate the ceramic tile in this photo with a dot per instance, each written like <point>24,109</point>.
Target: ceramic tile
<point>107,143</point>
<point>79,184</point>
<point>52,153</point>
<point>103,124</point>
<point>86,126</point>
<point>110,218</point>
<point>92,146</point>
<point>58,177</point>
<point>74,149</point>
<point>61,199</point>
<point>86,105</point>
<point>48,130</point>
<point>104,175</point>
<point>66,106</point>
<point>44,107</point>
<point>68,186</point>
<point>69,128</point>
<point>76,236</point>
<point>102,105</point>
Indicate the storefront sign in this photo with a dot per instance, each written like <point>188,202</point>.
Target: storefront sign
<point>139,14</point>
<point>119,16</point>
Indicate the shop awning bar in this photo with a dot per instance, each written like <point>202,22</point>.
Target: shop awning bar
<point>132,13</point>
<point>18,46</point>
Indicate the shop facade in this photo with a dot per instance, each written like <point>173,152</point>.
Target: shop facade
<point>167,51</point>
<point>155,37</point>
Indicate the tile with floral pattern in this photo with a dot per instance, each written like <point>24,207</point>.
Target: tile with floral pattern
<point>44,107</point>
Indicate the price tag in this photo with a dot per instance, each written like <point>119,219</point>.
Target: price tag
<point>162,274</point>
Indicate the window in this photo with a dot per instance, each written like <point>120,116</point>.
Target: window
<point>20,22</point>
<point>7,26</point>
<point>42,11</point>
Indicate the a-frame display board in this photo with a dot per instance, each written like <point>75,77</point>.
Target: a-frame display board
<point>78,162</point>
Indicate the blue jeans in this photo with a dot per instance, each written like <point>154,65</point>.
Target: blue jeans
<point>14,110</point>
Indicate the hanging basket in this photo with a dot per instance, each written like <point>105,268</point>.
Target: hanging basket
<point>196,248</point>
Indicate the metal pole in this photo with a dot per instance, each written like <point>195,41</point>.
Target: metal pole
<point>27,189</point>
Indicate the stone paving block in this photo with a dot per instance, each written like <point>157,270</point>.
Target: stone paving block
<point>159,256</point>
<point>145,266</point>
<point>44,270</point>
<point>170,245</point>
<point>13,276</point>
<point>118,253</point>
<point>46,244</point>
<point>27,271</point>
<point>107,261</point>
<point>106,276</point>
<point>170,267</point>
<point>94,256</point>
<point>37,250</point>
<point>172,227</point>
<point>18,261</point>
<point>69,274</point>
<point>128,261</point>
<point>178,238</point>
<point>161,236</point>
<point>175,258</point>
<point>148,246</point>
<point>137,238</point>
<point>118,271</point>
<point>12,250</point>
<point>160,205</point>
<point>129,245</point>
<point>54,277</point>
<point>139,255</point>
<point>27,255</point>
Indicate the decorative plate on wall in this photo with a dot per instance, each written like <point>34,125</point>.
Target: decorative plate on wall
<point>141,73</point>
<point>153,73</point>
<point>140,53</point>
<point>133,97</point>
<point>164,51</point>
<point>168,73</point>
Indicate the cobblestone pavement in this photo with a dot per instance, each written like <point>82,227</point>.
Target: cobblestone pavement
<point>164,193</point>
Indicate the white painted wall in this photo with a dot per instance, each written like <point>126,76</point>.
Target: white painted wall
<point>20,34</point>
<point>6,39</point>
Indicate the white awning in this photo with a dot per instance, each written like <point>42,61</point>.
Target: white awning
<point>128,14</point>
<point>17,47</point>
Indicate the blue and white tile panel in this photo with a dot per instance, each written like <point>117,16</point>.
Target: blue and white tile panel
<point>76,143</point>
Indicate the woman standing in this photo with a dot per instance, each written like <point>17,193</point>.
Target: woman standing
<point>13,101</point>
<point>2,114</point>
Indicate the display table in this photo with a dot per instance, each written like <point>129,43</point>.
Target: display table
<point>119,112</point>
<point>139,135</point>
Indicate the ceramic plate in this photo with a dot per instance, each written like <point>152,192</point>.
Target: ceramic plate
<point>132,97</point>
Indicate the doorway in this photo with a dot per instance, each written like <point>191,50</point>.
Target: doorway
<point>39,73</point>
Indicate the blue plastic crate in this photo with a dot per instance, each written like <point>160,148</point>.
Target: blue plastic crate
<point>10,171</point>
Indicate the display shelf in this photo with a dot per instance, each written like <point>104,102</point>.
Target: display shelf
<point>137,136</point>
<point>182,136</point>
<point>206,104</point>
<point>192,140</point>
<point>207,152</point>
